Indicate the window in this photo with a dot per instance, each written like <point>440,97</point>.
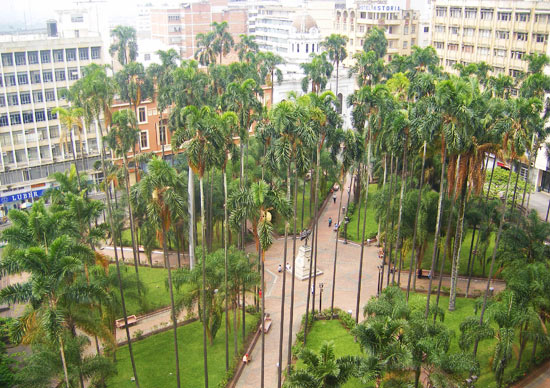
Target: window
<point>73,73</point>
<point>503,34</point>
<point>426,29</point>
<point>7,59</point>
<point>469,31</point>
<point>452,47</point>
<point>363,15</point>
<point>517,54</point>
<point>439,45</point>
<point>1,80</point>
<point>45,151</point>
<point>361,28</point>
<point>58,55</point>
<point>45,56</point>
<point>47,76</point>
<point>390,43</point>
<point>483,33</point>
<point>28,117</point>
<point>35,77</point>
<point>456,12</point>
<point>504,16</point>
<point>10,79</point>
<point>144,139</point>
<point>70,54</point>
<point>521,36</point>
<point>96,52</point>
<point>61,93</point>
<point>147,57</point>
<point>439,28</point>
<point>466,48</point>
<point>406,30</point>
<point>451,62</point>
<point>83,53</point>
<point>142,114</point>
<point>2,100</point>
<point>307,47</point>
<point>77,18</point>
<point>390,30</point>
<point>499,53</point>
<point>51,115</point>
<point>13,99</point>
<point>486,14</point>
<point>515,73</point>
<point>32,57</point>
<point>470,13</point>
<point>405,44</point>
<point>162,133</point>
<point>40,115</point>
<point>173,18</point>
<point>20,59</point>
<point>54,132</point>
<point>441,11</point>
<point>522,17</point>
<point>4,120</point>
<point>25,98</point>
<point>60,75</point>
<point>483,50</point>
<point>541,38</point>
<point>22,79</point>
<point>15,118</point>
<point>542,18</point>
<point>50,94</point>
<point>453,30</point>
<point>37,96</point>
<point>498,70</point>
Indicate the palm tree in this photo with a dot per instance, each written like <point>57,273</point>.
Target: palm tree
<point>125,45</point>
<point>268,67</point>
<point>223,41</point>
<point>70,118</point>
<point>206,50</point>
<point>375,40</point>
<point>52,286</point>
<point>247,47</point>
<point>160,189</point>
<point>335,45</point>
<point>318,72</point>
<point>325,370</point>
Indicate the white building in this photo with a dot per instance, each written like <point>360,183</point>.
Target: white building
<point>34,70</point>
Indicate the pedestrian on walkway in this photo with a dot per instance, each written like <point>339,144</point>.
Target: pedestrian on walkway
<point>333,198</point>
<point>329,222</point>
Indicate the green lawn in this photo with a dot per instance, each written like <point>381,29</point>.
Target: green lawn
<point>371,228</point>
<point>155,359</point>
<point>344,344</point>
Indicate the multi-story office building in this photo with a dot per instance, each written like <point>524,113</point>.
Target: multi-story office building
<point>34,70</point>
<point>400,23</point>
<point>500,33</point>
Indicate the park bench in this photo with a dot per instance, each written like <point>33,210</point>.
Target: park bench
<point>267,323</point>
<point>131,320</point>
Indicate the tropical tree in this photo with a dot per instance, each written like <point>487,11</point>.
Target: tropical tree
<point>206,49</point>
<point>247,47</point>
<point>223,41</point>
<point>269,67</point>
<point>125,45</point>
<point>318,72</point>
<point>70,118</point>
<point>375,40</point>
<point>335,45</point>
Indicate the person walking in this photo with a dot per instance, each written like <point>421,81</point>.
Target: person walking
<point>329,222</point>
<point>334,198</point>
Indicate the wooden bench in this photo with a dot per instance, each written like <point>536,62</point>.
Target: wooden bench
<point>267,323</point>
<point>131,320</point>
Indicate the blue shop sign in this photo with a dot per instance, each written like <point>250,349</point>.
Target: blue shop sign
<point>22,196</point>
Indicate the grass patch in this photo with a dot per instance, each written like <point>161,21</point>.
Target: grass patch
<point>155,359</point>
<point>371,227</point>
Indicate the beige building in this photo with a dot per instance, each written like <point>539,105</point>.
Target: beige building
<point>401,25</point>
<point>497,32</point>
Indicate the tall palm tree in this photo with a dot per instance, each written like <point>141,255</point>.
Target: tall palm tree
<point>335,45</point>
<point>125,45</point>
<point>318,72</point>
<point>206,51</point>
<point>223,41</point>
<point>269,67</point>
<point>160,189</point>
<point>70,118</point>
<point>52,286</point>
<point>247,47</point>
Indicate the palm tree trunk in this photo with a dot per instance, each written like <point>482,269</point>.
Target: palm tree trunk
<point>283,292</point>
<point>172,304</point>
<point>303,203</point>
<point>347,207</point>
<point>203,260</point>
<point>379,223</point>
<point>311,273</point>
<point>63,361</point>
<point>491,268</point>
<point>122,301</point>
<point>398,246</point>
<point>357,306</point>
<point>262,316</point>
<point>333,288</point>
<point>291,312</point>
<point>132,224</point>
<point>226,224</point>
<point>191,198</point>
<point>317,172</point>
<point>533,152</point>
<point>385,245</point>
<point>418,202</point>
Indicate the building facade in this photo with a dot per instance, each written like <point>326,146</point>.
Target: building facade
<point>34,71</point>
<point>399,22</point>
<point>500,33</point>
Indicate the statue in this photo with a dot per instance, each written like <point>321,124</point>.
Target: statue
<point>305,235</point>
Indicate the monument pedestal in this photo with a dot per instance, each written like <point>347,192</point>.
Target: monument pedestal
<point>302,263</point>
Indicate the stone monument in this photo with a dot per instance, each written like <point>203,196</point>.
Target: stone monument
<point>303,259</point>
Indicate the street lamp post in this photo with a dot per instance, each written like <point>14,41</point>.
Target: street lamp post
<point>379,276</point>
<point>346,222</point>
<point>321,286</point>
